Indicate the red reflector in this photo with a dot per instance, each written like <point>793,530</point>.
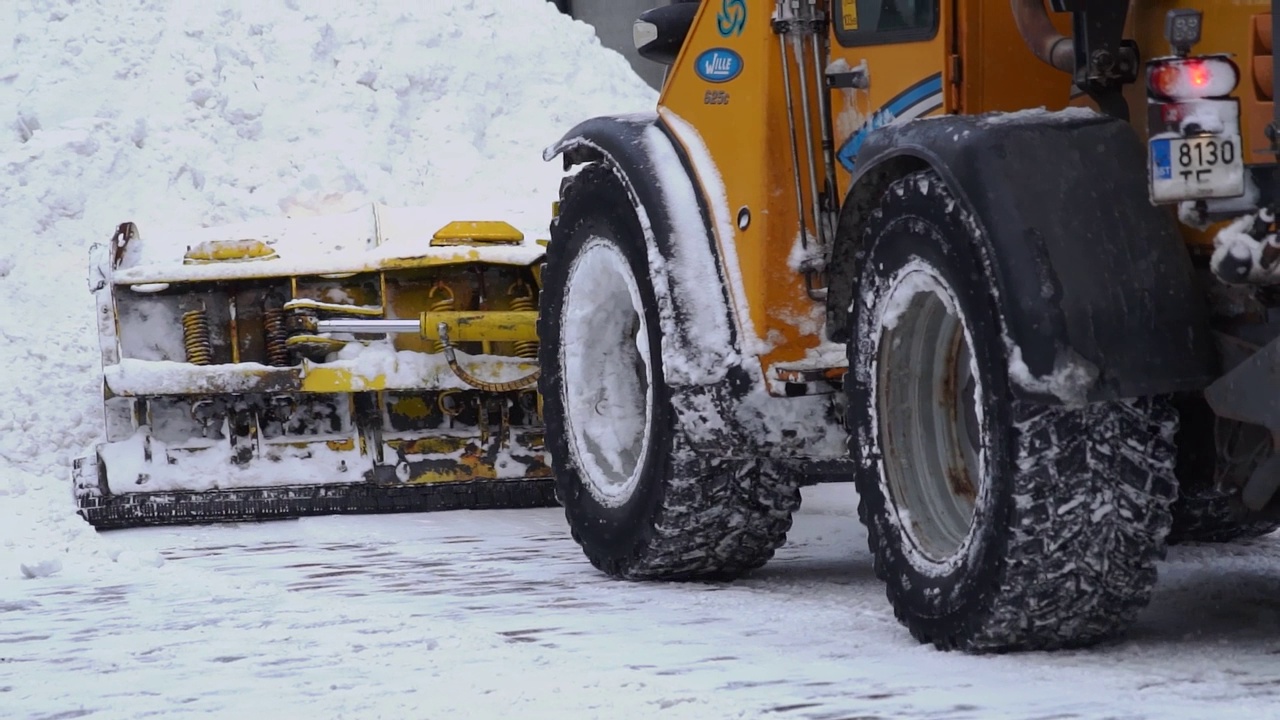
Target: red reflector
<point>1192,78</point>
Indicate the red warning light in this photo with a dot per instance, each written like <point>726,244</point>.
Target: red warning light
<point>1192,78</point>
<point>1198,74</point>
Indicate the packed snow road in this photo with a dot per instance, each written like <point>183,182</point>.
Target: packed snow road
<point>496,614</point>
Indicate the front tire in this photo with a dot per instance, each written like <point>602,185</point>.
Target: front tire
<point>996,523</point>
<point>641,502</point>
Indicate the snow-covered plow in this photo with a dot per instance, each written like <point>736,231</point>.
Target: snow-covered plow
<point>378,361</point>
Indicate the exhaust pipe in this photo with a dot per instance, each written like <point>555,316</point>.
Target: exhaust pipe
<point>1042,37</point>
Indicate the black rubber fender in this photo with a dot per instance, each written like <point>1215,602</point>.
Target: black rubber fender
<point>700,334</point>
<point>1089,272</point>
<point>703,364</point>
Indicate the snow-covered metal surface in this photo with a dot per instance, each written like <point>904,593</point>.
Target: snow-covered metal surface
<point>130,466</point>
<point>495,614</point>
<point>373,366</point>
<point>367,239</point>
<point>708,177</point>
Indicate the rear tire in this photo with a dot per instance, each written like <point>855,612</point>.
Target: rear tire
<point>1209,449</point>
<point>639,500</point>
<point>997,524</point>
<point>1209,515</point>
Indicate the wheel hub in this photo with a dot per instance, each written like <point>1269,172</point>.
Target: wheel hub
<point>608,381</point>
<point>929,416</point>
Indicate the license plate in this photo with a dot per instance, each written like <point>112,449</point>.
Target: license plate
<point>1195,168</point>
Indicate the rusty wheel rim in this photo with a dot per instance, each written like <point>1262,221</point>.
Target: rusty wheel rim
<point>929,417</point>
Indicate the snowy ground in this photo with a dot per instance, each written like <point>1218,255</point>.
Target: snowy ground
<point>496,614</point>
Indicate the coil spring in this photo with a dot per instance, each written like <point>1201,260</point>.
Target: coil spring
<point>522,300</point>
<point>273,321</point>
<point>195,337</point>
<point>443,304</point>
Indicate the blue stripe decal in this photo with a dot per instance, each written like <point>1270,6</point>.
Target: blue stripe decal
<point>906,100</point>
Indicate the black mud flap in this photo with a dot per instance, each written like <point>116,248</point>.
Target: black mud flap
<point>113,512</point>
<point>1087,269</point>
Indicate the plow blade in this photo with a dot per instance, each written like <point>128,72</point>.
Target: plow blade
<point>358,363</point>
<point>110,512</point>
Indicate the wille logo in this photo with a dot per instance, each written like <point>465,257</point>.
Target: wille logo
<point>718,66</point>
<point>732,17</point>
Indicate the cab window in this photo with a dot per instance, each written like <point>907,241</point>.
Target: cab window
<point>874,22</point>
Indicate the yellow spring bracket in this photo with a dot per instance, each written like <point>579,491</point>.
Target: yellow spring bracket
<point>441,300</point>
<point>522,300</point>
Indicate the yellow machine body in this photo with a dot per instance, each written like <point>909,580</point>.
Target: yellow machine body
<point>970,59</point>
<point>917,77</point>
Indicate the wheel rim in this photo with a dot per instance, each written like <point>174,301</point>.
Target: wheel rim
<point>607,379</point>
<point>929,418</point>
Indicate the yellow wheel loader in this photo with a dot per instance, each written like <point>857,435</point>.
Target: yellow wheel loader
<point>378,361</point>
<point>981,257</point>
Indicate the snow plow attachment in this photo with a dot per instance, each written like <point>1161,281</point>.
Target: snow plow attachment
<point>378,361</point>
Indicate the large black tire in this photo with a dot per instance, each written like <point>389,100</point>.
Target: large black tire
<point>1212,449</point>
<point>640,501</point>
<point>997,524</point>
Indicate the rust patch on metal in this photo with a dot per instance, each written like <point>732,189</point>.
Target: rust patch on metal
<point>948,393</point>
<point>960,483</point>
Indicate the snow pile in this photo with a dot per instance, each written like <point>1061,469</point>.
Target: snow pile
<point>176,113</point>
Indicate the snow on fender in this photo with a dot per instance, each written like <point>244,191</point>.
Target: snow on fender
<point>697,346</point>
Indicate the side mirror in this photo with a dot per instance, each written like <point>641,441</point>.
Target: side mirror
<point>659,33</point>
